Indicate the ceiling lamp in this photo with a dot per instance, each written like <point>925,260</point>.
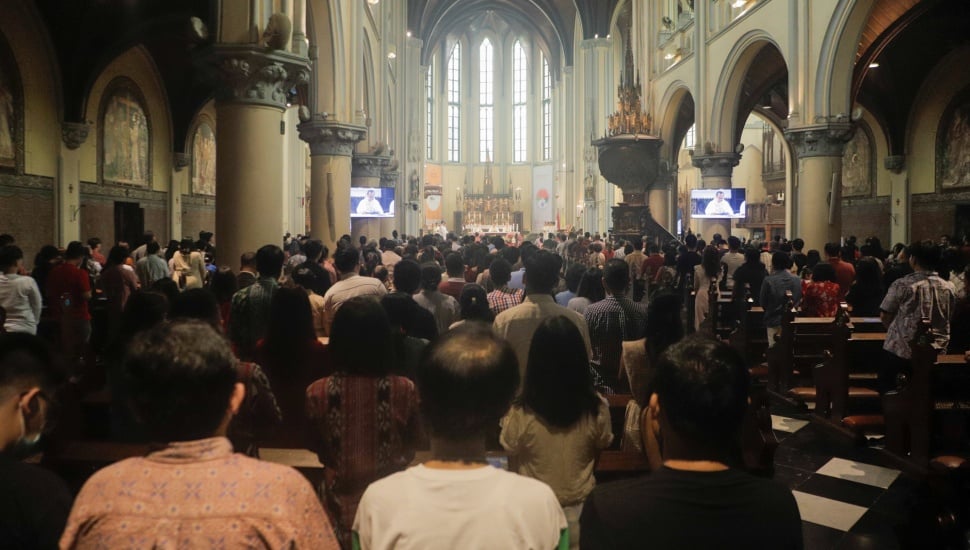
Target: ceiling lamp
<point>739,3</point>
<point>874,65</point>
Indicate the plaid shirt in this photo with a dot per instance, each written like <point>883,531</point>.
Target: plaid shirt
<point>504,298</point>
<point>612,321</point>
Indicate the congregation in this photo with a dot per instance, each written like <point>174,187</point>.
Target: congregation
<point>406,364</point>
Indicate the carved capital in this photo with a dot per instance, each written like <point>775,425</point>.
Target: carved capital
<point>74,133</point>
<point>331,138</point>
<point>895,163</point>
<point>716,165</point>
<point>181,160</point>
<point>245,74</point>
<point>827,140</point>
<point>369,166</point>
<point>390,178</point>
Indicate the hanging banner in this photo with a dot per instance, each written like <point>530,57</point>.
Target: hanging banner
<point>542,199</point>
<point>432,195</point>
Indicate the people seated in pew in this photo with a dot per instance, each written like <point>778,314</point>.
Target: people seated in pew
<point>34,503</point>
<point>773,292</point>
<point>559,424</point>
<point>364,422</point>
<point>911,298</point>
<point>698,499</point>
<point>466,383</point>
<point>193,491</point>
<point>821,295</point>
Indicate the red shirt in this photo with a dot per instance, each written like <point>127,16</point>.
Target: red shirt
<point>451,287</point>
<point>651,265</point>
<point>68,280</point>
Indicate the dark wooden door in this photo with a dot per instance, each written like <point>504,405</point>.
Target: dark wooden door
<point>961,223</point>
<point>129,223</point>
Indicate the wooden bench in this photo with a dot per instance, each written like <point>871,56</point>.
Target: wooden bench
<point>915,411</point>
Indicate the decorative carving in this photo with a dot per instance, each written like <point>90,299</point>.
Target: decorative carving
<point>369,166</point>
<point>331,138</point>
<point>278,32</point>
<point>256,76</point>
<point>826,140</point>
<point>895,163</point>
<point>716,165</point>
<point>390,178</point>
<point>74,133</point>
<point>181,160</point>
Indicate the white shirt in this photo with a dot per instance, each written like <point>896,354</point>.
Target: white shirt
<point>369,206</point>
<point>349,286</point>
<point>719,208</point>
<point>519,324</point>
<point>444,308</point>
<point>482,508</point>
<point>20,296</point>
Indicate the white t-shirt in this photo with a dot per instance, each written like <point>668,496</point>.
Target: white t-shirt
<point>484,508</point>
<point>20,296</point>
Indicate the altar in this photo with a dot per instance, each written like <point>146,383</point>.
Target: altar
<point>488,214</point>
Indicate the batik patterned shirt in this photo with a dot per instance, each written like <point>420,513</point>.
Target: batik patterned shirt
<point>197,494</point>
<point>919,295</point>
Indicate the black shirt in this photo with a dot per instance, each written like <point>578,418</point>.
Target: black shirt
<point>34,505</point>
<point>322,275</point>
<point>680,509</point>
<point>754,275</point>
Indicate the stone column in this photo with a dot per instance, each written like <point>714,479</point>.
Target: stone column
<point>331,148</point>
<point>180,181</point>
<point>899,199</point>
<point>658,197</point>
<point>250,101</point>
<point>367,173</point>
<point>67,189</point>
<point>390,179</point>
<point>716,170</point>
<point>818,182</point>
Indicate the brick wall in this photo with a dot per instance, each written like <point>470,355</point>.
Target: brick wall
<point>866,218</point>
<point>28,215</point>
<point>198,218</point>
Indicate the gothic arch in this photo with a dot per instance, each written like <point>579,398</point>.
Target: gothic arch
<point>833,79</point>
<point>671,124</point>
<point>723,131</point>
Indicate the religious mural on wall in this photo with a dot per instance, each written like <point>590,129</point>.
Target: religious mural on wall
<point>953,145</point>
<point>204,161</point>
<point>8,126</point>
<point>857,166</point>
<point>126,146</point>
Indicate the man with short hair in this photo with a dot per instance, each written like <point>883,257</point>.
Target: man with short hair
<point>921,294</point>
<point>247,270</point>
<point>194,492</point>
<point>772,294</point>
<point>718,207</point>
<point>518,324</point>
<point>614,320</point>
<point>19,294</point>
<point>634,259</point>
<point>503,297</point>
<point>142,249</point>
<point>696,500</point>
<point>34,503</point>
<point>455,269</point>
<point>349,285</point>
<point>456,500</point>
<point>415,321</point>
<point>573,276</point>
<point>68,292</point>
<point>844,271</point>
<point>94,245</point>
<point>249,311</point>
<point>369,205</point>
<point>444,308</point>
<point>389,258</point>
<point>313,249</point>
<point>733,259</point>
<point>151,267</point>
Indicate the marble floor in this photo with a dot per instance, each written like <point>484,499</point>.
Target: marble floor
<point>849,496</point>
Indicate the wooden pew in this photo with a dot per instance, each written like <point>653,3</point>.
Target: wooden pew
<point>912,411</point>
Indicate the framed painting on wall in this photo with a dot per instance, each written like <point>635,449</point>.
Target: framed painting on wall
<point>953,145</point>
<point>857,164</point>
<point>204,160</point>
<point>11,109</point>
<point>125,142</point>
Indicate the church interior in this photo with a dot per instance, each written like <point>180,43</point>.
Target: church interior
<point>822,119</point>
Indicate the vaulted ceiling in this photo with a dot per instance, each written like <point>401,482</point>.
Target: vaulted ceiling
<point>550,20</point>
<point>906,51</point>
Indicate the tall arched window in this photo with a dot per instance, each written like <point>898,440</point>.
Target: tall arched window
<point>429,113</point>
<point>486,100</point>
<point>520,97</point>
<point>454,104</point>
<point>546,109</point>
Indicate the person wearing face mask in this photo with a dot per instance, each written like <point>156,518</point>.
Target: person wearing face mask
<point>34,503</point>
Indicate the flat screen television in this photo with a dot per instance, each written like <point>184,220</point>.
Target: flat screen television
<point>717,204</point>
<point>371,202</point>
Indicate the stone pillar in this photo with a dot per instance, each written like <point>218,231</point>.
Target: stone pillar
<point>67,189</point>
<point>899,199</point>
<point>331,148</point>
<point>658,197</point>
<point>390,179</point>
<point>818,182</point>
<point>367,173</point>
<point>250,101</point>
<point>180,182</point>
<point>716,170</point>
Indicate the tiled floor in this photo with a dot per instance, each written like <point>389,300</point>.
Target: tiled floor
<point>847,495</point>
